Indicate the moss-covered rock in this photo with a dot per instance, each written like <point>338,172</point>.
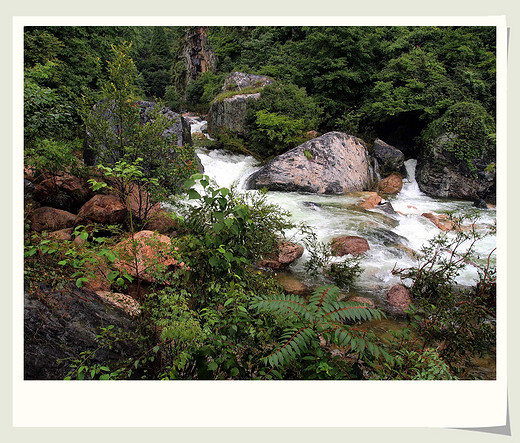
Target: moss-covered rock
<point>458,154</point>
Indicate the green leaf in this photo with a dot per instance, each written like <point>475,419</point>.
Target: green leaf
<point>212,366</point>
<point>229,256</point>
<point>110,256</point>
<point>193,194</point>
<point>214,261</point>
<point>219,216</point>
<point>80,281</point>
<point>83,235</point>
<point>112,275</point>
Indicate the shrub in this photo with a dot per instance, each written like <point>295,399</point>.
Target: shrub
<point>53,157</point>
<point>47,113</point>
<point>457,322</point>
<point>118,130</point>
<point>465,133</point>
<point>280,118</point>
<point>229,230</point>
<point>343,272</point>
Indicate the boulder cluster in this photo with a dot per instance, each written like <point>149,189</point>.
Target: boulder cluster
<point>336,163</point>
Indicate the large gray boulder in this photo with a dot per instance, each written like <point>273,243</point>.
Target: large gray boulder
<point>237,81</point>
<point>458,155</point>
<point>230,113</point>
<point>439,176</point>
<point>179,128</point>
<point>335,163</point>
<point>390,159</point>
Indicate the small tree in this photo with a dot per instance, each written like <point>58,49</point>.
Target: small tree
<point>121,128</point>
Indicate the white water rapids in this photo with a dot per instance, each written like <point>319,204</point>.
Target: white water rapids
<point>392,237</point>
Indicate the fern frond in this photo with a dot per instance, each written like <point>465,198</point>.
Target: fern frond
<point>342,337</point>
<point>294,344</point>
<point>350,311</point>
<point>283,304</point>
<point>324,294</point>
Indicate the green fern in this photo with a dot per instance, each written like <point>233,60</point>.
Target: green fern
<point>323,315</point>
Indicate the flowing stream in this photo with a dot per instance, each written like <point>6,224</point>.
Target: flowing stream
<point>392,236</point>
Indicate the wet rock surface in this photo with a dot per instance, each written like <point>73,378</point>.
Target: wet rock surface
<point>391,185</point>
<point>59,325</point>
<point>389,158</point>
<point>335,163</point>
<point>349,245</point>
<point>286,254</point>
<point>399,299</point>
<point>51,219</point>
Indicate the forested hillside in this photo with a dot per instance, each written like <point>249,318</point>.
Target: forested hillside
<point>387,82</point>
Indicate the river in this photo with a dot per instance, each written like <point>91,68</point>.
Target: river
<point>392,236</point>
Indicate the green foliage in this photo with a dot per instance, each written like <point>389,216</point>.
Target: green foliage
<point>46,113</point>
<point>176,332</point>
<point>117,131</point>
<point>321,317</point>
<point>53,157</point>
<point>414,81</point>
<point>456,322</point>
<point>465,134</point>
<point>154,62</point>
<point>343,272</point>
<point>230,229</point>
<point>200,93</point>
<point>278,132</point>
<point>172,98</point>
<point>280,119</point>
<point>138,192</point>
<point>417,365</point>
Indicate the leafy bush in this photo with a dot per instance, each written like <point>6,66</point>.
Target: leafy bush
<point>343,272</point>
<point>456,322</point>
<point>117,130</point>
<point>230,230</point>
<point>47,114</point>
<point>280,119</point>
<point>409,364</point>
<point>468,135</point>
<point>277,132</point>
<point>202,91</point>
<point>54,157</point>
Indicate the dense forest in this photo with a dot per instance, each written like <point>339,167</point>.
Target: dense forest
<point>179,293</point>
